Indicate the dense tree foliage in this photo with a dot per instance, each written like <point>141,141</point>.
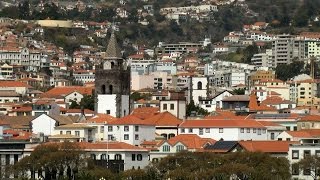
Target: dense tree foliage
<point>135,96</point>
<point>240,165</point>
<point>192,108</point>
<point>311,164</point>
<point>287,71</point>
<point>87,102</point>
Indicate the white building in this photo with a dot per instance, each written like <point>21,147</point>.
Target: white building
<point>198,87</point>
<point>229,130</point>
<point>130,129</point>
<point>212,103</point>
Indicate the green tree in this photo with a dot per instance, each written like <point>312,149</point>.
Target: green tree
<point>287,71</point>
<point>311,164</point>
<point>192,108</point>
<point>239,91</point>
<point>87,102</point>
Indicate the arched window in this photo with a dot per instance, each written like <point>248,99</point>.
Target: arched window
<point>103,157</point>
<point>93,156</point>
<point>199,85</point>
<point>110,89</point>
<point>118,157</point>
<point>166,148</point>
<point>112,65</point>
<point>139,157</point>
<point>103,89</point>
<point>179,148</point>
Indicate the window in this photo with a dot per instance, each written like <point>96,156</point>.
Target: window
<point>165,107</point>
<point>303,125</point>
<point>110,128</point>
<point>68,132</point>
<point>136,136</point>
<point>190,130</point>
<point>126,137</point>
<point>108,111</point>
<point>242,130</point>
<point>295,154</point>
<point>136,128</point>
<point>317,154</point>
<point>171,106</point>
<point>166,148</point>
<point>295,169</point>
<point>126,128</point>
<point>272,136</point>
<point>220,130</point>
<point>103,157</point>
<point>254,130</point>
<point>179,148</point>
<point>287,139</point>
<point>307,171</point>
<point>207,130</point>
<point>306,153</point>
<point>259,131</point>
<point>93,156</point>
<point>182,130</point>
<point>61,132</point>
<point>110,137</point>
<point>77,133</point>
<point>199,85</point>
<point>101,129</point>
<point>248,130</point>
<point>200,131</point>
<point>139,157</point>
<point>117,157</point>
<point>133,157</point>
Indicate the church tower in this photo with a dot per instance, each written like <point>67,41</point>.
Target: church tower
<point>112,82</point>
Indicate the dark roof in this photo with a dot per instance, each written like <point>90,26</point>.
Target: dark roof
<point>237,98</point>
<point>222,146</point>
<point>113,51</point>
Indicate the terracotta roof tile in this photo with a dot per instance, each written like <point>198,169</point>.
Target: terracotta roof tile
<point>131,120</point>
<point>101,118</point>
<point>109,146</point>
<point>266,146</point>
<point>164,119</point>
<point>145,112</point>
<point>14,84</point>
<point>63,91</point>
<point>310,118</point>
<point>191,141</point>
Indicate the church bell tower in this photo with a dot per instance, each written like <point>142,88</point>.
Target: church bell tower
<point>112,82</point>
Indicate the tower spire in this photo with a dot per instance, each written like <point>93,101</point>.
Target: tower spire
<point>113,50</point>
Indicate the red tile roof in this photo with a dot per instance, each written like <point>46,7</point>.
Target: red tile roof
<point>14,84</point>
<point>253,105</point>
<point>299,134</point>
<point>191,141</point>
<point>109,145</point>
<point>101,118</point>
<point>63,91</point>
<point>222,123</point>
<point>145,112</point>
<point>131,120</point>
<point>266,146</point>
<point>164,119</point>
<point>86,111</point>
<point>310,118</point>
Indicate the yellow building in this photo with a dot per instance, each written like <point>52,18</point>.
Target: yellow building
<point>303,92</point>
<point>259,75</point>
<point>309,122</point>
<point>313,48</point>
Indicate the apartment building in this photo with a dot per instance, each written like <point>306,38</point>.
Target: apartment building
<point>287,47</point>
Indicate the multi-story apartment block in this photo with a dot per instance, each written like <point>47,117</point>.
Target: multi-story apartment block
<point>312,48</point>
<point>262,59</point>
<point>286,47</point>
<point>33,60</point>
<point>6,71</point>
<point>84,76</point>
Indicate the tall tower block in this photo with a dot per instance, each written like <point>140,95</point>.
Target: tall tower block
<point>112,82</point>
